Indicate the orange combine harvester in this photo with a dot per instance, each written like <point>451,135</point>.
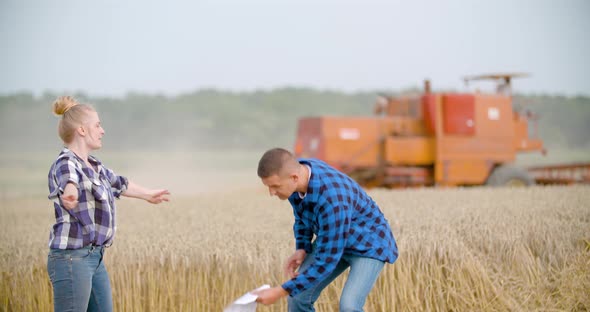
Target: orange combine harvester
<point>442,139</point>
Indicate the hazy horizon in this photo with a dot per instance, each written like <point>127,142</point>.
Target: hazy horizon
<point>114,48</point>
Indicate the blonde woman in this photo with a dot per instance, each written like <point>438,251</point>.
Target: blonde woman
<point>83,192</point>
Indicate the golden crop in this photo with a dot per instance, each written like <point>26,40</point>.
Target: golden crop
<point>475,249</point>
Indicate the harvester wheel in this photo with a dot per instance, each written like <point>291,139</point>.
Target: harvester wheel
<point>508,175</point>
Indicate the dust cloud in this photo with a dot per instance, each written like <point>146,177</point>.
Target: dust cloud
<point>189,171</point>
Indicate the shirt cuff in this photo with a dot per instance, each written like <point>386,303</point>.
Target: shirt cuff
<point>290,287</point>
<point>303,245</point>
<point>59,190</point>
<point>123,185</point>
<point>70,180</point>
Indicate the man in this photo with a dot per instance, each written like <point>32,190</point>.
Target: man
<point>350,231</point>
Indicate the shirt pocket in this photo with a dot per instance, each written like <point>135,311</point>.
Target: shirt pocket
<point>89,183</point>
<point>86,185</point>
<point>100,191</point>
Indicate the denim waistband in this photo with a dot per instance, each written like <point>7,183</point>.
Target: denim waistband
<point>87,247</point>
<point>94,247</point>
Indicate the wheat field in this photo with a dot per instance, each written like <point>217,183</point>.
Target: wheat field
<point>475,249</point>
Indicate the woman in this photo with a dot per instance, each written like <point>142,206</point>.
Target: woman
<point>83,192</point>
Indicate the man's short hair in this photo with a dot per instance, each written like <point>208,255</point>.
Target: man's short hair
<point>273,161</point>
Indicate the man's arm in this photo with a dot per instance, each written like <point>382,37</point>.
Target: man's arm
<point>271,295</point>
<point>334,225</point>
<point>303,234</point>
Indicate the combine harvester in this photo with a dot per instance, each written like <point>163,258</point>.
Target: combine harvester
<point>435,139</point>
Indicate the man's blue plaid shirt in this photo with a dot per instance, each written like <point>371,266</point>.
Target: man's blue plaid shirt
<point>343,218</point>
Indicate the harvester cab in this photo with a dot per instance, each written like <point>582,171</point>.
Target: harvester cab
<point>503,81</point>
<point>446,138</point>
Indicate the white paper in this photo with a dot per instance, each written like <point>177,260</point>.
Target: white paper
<point>246,303</point>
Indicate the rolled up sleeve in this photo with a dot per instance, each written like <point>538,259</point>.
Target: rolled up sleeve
<point>64,172</point>
<point>118,183</point>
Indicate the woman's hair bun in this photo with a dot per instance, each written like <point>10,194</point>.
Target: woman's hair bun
<point>63,104</point>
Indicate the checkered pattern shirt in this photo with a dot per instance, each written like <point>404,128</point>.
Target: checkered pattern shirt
<point>344,219</point>
<point>92,222</point>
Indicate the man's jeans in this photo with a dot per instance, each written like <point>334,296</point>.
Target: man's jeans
<point>362,277</point>
<point>80,280</point>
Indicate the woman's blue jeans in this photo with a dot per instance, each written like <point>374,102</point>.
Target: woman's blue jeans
<point>80,279</point>
<point>363,274</point>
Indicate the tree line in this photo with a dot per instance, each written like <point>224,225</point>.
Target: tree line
<point>208,119</point>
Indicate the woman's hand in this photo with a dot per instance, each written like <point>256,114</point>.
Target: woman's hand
<point>151,196</point>
<point>157,196</point>
<point>69,198</point>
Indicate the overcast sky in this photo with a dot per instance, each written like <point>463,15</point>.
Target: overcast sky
<point>171,47</point>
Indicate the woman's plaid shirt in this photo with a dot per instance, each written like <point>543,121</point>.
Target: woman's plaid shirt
<point>92,222</point>
<point>343,218</point>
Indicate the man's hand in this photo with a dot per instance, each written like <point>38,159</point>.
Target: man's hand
<point>69,198</point>
<point>271,295</point>
<point>294,262</point>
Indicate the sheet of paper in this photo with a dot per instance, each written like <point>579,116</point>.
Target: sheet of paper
<point>246,303</point>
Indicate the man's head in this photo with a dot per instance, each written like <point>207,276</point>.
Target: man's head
<point>280,172</point>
